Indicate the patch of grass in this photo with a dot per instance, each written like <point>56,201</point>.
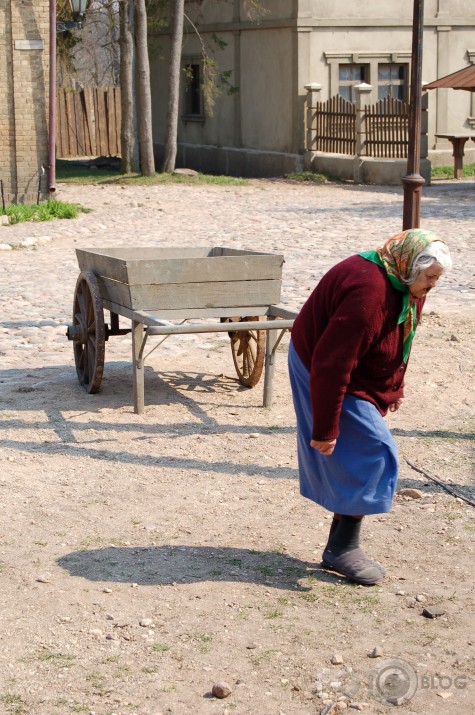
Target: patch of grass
<point>97,681</point>
<point>205,640</point>
<point>10,699</point>
<point>261,657</point>
<point>203,637</point>
<point>447,172</point>
<point>312,177</point>
<point>276,613</point>
<point>160,647</point>
<point>63,659</point>
<point>366,604</point>
<point>46,211</point>
<point>310,597</point>
<point>79,173</point>
<point>266,571</point>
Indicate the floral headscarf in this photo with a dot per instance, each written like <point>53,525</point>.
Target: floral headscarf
<point>396,256</point>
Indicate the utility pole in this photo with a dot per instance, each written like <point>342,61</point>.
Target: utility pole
<point>413,181</point>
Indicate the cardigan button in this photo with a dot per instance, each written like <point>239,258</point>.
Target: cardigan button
<point>395,387</point>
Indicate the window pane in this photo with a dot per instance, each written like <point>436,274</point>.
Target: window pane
<point>352,73</point>
<point>383,91</point>
<point>399,92</point>
<point>345,91</point>
<point>345,73</point>
<point>384,73</point>
<point>192,89</point>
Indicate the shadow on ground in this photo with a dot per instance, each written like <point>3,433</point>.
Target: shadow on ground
<point>161,565</point>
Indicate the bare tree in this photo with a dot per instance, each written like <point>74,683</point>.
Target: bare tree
<point>127,138</point>
<point>171,135</point>
<point>147,163</point>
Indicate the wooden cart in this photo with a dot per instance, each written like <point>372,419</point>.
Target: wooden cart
<point>159,289</point>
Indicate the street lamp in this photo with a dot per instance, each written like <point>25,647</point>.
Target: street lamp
<point>78,10</point>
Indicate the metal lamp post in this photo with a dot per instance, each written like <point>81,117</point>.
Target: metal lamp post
<point>413,181</point>
<point>78,8</point>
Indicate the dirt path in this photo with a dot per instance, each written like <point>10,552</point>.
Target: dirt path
<point>145,558</point>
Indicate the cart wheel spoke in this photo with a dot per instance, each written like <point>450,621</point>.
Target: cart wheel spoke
<point>89,346</point>
<point>248,350</point>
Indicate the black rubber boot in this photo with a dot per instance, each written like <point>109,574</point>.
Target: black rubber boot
<point>344,555</point>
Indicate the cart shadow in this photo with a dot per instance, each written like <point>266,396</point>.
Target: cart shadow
<point>161,387</point>
<point>54,391</point>
<point>173,564</point>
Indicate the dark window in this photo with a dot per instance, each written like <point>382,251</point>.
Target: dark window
<point>392,81</point>
<point>193,104</point>
<point>348,76</point>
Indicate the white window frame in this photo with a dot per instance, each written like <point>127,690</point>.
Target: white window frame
<point>373,59</point>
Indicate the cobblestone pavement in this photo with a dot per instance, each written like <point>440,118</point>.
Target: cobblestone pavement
<point>313,226</point>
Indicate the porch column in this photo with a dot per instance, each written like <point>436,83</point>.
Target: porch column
<point>313,96</point>
<point>363,92</point>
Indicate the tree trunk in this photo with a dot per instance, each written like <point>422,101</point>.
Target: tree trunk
<point>127,135</point>
<point>147,163</point>
<point>171,135</point>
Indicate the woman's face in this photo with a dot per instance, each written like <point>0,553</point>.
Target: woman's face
<point>426,280</point>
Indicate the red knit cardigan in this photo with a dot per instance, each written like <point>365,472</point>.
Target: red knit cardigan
<point>347,336</point>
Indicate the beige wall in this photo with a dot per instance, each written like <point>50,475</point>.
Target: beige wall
<point>266,88</point>
<point>24,47</point>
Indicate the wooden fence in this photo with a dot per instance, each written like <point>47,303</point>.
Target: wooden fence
<point>387,129</point>
<point>384,126</point>
<point>333,125</point>
<point>88,122</point>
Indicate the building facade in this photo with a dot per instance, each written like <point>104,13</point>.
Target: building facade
<point>259,129</point>
<point>24,92</point>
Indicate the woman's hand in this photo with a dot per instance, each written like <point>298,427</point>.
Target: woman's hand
<point>325,446</point>
<point>396,405</point>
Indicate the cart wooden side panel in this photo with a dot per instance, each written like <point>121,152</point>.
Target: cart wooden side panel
<point>151,265</point>
<point>158,297</point>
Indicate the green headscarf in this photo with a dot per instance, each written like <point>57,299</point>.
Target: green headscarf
<point>396,256</point>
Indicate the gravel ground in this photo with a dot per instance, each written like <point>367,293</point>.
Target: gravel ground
<point>145,559</point>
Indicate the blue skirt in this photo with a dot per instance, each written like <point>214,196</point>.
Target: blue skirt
<point>360,476</point>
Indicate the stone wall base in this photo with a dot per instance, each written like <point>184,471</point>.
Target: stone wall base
<point>228,161</point>
<point>362,169</point>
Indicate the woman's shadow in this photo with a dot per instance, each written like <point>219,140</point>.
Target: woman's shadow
<point>160,565</point>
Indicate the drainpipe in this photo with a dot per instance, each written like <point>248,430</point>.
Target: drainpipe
<point>52,98</point>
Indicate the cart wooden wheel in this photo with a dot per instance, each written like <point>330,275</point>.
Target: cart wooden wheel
<point>88,332</point>
<point>248,348</point>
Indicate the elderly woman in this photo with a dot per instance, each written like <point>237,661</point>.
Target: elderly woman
<point>347,360</point>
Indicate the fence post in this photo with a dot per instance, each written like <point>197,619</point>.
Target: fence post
<point>363,91</point>
<point>313,96</point>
